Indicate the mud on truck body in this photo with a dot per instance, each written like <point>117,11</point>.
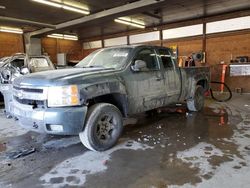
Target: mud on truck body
<point>92,98</point>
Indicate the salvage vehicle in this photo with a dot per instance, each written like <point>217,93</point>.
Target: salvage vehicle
<point>16,66</point>
<point>92,98</point>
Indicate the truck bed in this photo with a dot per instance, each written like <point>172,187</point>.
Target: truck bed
<point>190,77</point>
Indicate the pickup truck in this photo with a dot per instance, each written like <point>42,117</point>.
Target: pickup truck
<point>92,98</point>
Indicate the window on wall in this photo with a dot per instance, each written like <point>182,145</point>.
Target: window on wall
<point>144,37</point>
<point>187,31</point>
<point>92,44</point>
<point>228,25</point>
<point>115,41</point>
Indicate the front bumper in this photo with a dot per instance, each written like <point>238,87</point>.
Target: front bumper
<point>71,119</point>
<point>6,90</point>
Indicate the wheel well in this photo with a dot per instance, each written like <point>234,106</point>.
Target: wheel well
<point>117,99</point>
<point>203,83</point>
<point>1,97</point>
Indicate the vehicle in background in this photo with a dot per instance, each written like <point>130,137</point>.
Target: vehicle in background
<point>109,84</point>
<point>16,66</point>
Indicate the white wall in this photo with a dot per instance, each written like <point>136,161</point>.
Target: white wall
<point>229,25</point>
<point>115,41</point>
<point>144,37</point>
<point>92,44</point>
<point>187,31</point>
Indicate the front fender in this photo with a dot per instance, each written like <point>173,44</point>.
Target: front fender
<point>99,89</point>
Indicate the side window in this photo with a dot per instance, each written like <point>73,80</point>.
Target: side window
<point>39,63</point>
<point>17,63</point>
<point>166,58</point>
<point>149,56</point>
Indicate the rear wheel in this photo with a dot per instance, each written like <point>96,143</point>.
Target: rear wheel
<point>103,127</point>
<point>197,102</point>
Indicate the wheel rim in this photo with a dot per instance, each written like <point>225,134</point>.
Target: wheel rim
<point>105,127</point>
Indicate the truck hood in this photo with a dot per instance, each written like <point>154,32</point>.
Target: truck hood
<point>60,77</point>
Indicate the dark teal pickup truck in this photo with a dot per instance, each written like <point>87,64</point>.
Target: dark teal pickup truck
<point>92,98</point>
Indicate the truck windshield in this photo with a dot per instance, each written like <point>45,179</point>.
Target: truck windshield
<point>109,58</point>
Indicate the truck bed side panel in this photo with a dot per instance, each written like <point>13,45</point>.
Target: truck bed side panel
<point>190,77</point>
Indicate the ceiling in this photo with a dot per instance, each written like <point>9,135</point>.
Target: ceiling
<point>165,12</point>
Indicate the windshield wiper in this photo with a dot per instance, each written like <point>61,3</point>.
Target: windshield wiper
<point>95,66</point>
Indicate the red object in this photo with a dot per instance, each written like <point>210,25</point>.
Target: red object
<point>223,75</point>
<point>207,93</point>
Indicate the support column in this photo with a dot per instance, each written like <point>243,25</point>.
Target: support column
<point>32,45</point>
<point>204,40</point>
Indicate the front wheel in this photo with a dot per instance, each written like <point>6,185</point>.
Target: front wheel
<point>103,127</point>
<point>197,102</point>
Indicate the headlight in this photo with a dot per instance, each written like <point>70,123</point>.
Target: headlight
<point>59,96</point>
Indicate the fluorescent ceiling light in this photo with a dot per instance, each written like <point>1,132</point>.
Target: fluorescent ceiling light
<point>50,3</point>
<point>131,22</point>
<point>11,30</point>
<point>75,9</point>
<point>61,36</point>
<point>63,6</point>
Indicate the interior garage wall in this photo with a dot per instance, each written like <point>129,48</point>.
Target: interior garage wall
<point>221,48</point>
<point>86,52</point>
<point>10,44</point>
<point>185,46</point>
<point>52,47</point>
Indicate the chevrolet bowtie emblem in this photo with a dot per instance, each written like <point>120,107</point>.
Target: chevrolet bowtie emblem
<point>20,94</point>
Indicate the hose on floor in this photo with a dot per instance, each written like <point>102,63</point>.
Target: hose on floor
<point>221,100</point>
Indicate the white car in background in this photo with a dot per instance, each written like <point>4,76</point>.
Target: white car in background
<point>15,66</point>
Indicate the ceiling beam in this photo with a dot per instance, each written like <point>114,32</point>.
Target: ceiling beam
<point>152,15</point>
<point>100,15</point>
<point>29,22</point>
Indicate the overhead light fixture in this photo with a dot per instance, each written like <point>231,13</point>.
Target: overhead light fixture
<point>50,3</point>
<point>75,9</point>
<point>131,22</point>
<point>62,36</point>
<point>2,7</point>
<point>63,6</point>
<point>11,30</point>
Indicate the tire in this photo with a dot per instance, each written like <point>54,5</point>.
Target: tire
<point>197,102</point>
<point>103,127</point>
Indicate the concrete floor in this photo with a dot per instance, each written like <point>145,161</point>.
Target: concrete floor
<point>178,149</point>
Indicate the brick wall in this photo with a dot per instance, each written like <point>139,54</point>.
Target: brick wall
<point>52,47</point>
<point>186,46</point>
<point>10,44</point>
<point>221,48</point>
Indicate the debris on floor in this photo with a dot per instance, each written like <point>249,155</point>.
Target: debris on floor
<point>20,153</point>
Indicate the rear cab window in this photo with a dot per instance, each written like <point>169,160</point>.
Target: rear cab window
<point>166,58</point>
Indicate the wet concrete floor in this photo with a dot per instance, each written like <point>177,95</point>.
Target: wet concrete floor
<point>170,149</point>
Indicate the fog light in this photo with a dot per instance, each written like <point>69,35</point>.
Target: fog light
<point>56,128</point>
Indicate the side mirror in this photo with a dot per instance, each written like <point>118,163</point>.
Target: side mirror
<point>138,65</point>
<point>24,71</point>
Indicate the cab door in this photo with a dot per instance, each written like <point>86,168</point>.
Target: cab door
<point>145,87</point>
<point>171,74</point>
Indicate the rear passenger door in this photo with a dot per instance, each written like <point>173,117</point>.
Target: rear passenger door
<point>171,74</point>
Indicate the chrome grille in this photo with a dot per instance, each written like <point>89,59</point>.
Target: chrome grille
<point>28,93</point>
